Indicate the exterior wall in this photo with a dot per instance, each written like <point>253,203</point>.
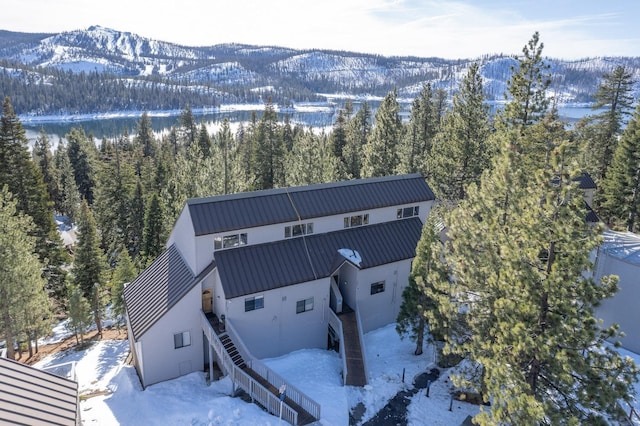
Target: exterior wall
<point>219,299</point>
<point>321,225</point>
<point>348,280</point>
<point>160,359</point>
<point>136,352</point>
<point>622,308</point>
<point>182,236</point>
<point>277,329</point>
<point>377,310</point>
<point>203,253</point>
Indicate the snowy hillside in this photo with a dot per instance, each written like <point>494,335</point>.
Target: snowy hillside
<point>295,75</point>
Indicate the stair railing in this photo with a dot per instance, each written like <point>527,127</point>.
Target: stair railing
<point>245,382</point>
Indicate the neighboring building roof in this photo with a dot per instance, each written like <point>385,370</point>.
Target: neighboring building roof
<point>592,217</point>
<point>156,290</point>
<point>257,268</point>
<point>622,245</point>
<point>585,181</point>
<point>250,209</point>
<point>34,397</point>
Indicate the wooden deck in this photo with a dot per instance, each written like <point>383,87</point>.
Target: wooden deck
<point>304,418</point>
<point>356,374</point>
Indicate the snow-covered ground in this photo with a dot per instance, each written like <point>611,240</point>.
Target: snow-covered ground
<point>111,392</point>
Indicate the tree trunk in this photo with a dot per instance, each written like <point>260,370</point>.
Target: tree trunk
<point>420,336</point>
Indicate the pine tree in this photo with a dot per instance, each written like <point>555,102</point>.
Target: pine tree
<point>153,239</point>
<point>302,163</point>
<point>188,128</point>
<point>43,157</point>
<point>69,195</point>
<point>226,154</point>
<point>82,154</point>
<point>79,313</point>
<point>114,190</point>
<point>25,182</point>
<point>527,87</point>
<point>21,283</point>
<point>415,146</point>
<point>520,248</point>
<point>461,151</point>
<point>204,141</point>
<point>136,221</point>
<point>358,131</point>
<point>427,270</point>
<point>621,203</point>
<point>123,273</point>
<point>614,96</point>
<point>268,154</point>
<point>89,264</point>
<point>144,136</point>
<point>380,156</point>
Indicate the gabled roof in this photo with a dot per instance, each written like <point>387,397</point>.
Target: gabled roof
<point>257,268</point>
<point>157,289</point>
<point>250,209</point>
<point>34,397</point>
<point>585,181</point>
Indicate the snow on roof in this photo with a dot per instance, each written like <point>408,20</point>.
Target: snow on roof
<point>622,245</point>
<point>352,255</point>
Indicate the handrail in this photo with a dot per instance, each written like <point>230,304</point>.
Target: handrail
<point>336,324</point>
<point>362,347</point>
<point>295,394</point>
<point>247,383</point>
<point>238,342</point>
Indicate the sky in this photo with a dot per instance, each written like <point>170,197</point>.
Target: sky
<point>569,29</point>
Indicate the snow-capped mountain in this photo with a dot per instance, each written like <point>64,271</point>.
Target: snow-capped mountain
<point>233,72</point>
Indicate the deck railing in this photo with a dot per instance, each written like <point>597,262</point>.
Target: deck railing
<point>247,383</point>
<point>295,394</point>
<point>336,324</point>
<point>362,347</point>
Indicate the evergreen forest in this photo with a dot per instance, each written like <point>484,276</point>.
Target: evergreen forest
<point>505,291</point>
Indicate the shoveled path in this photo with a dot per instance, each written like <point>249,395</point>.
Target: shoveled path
<point>395,412</point>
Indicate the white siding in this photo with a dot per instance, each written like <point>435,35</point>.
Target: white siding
<point>321,225</point>
<point>276,329</point>
<point>377,310</point>
<point>160,359</point>
<point>622,308</point>
<point>184,239</point>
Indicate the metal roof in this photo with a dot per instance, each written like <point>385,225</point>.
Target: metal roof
<point>157,289</point>
<point>34,397</point>
<point>251,209</point>
<point>585,181</point>
<point>257,268</point>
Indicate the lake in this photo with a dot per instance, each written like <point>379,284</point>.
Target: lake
<point>320,115</point>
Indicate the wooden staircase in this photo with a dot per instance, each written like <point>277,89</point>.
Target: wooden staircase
<point>303,416</point>
<point>232,351</point>
<point>357,375</point>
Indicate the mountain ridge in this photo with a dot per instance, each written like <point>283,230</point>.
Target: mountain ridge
<point>207,76</point>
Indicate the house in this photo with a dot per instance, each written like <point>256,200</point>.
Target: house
<point>260,274</point>
<point>30,396</point>
<point>619,254</point>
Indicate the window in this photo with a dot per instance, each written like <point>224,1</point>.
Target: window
<point>180,340</point>
<point>408,212</point>
<point>304,305</point>
<point>356,220</point>
<point>228,241</point>
<point>377,287</point>
<point>298,230</point>
<point>253,303</point>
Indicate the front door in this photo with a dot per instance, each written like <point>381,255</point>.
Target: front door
<point>207,301</point>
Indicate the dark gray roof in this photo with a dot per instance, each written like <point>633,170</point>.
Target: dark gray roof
<point>585,181</point>
<point>257,268</point>
<point>34,397</point>
<point>156,290</point>
<point>250,209</point>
